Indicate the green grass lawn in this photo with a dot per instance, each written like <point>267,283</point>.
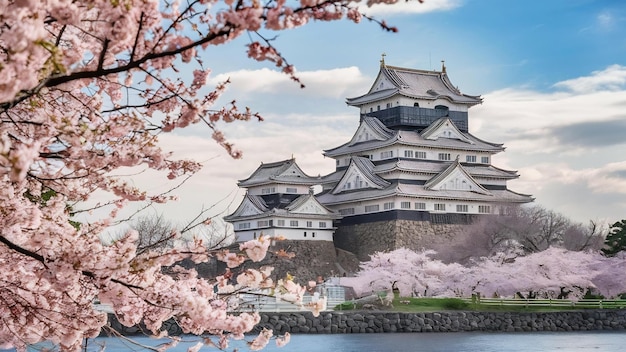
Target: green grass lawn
<point>403,304</point>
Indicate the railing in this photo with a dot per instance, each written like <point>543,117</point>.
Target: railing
<point>546,303</point>
<point>262,303</point>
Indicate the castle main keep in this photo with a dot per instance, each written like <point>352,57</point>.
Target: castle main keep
<point>410,175</point>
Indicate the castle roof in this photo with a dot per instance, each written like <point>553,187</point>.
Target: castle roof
<point>431,137</point>
<point>419,84</point>
<point>418,191</point>
<point>363,167</point>
<point>286,171</point>
<point>304,205</point>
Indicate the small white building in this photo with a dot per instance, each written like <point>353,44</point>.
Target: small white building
<point>279,202</point>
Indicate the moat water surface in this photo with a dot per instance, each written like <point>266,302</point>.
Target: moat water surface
<point>426,342</point>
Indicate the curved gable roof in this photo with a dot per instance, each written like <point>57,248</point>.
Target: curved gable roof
<point>286,171</point>
<point>438,128</point>
<point>458,172</point>
<point>362,167</point>
<point>422,84</point>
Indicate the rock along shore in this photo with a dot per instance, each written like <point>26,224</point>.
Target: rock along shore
<point>449,321</point>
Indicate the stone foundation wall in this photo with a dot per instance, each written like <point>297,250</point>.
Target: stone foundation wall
<point>373,322</point>
<point>365,239</point>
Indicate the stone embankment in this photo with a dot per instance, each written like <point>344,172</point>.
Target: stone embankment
<point>373,322</point>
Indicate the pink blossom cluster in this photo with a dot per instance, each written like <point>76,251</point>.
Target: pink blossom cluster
<point>86,88</point>
<point>547,274</point>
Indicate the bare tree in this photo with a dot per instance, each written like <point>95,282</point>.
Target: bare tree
<point>579,237</point>
<point>522,230</point>
<point>155,232</point>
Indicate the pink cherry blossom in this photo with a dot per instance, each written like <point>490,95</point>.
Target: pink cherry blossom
<point>86,90</point>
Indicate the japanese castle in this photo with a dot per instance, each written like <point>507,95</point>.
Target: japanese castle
<point>412,163</point>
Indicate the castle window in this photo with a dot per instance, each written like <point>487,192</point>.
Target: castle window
<point>405,205</point>
<point>408,153</point>
<point>420,155</point>
<point>304,233</point>
<point>444,109</point>
<point>484,159</point>
<point>470,158</point>
<point>322,224</point>
<point>386,155</point>
<point>440,207</point>
<point>293,223</point>
<point>461,208</point>
<point>255,235</point>
<point>243,225</point>
<point>388,105</point>
<point>280,222</point>
<point>371,109</point>
<point>309,224</point>
<point>262,223</point>
<point>268,190</point>
<point>420,206</point>
<point>292,190</point>
<point>312,234</point>
<point>417,105</point>
<point>389,205</point>
<point>377,107</point>
<point>346,211</point>
<point>444,156</point>
<point>371,208</point>
<point>484,209</point>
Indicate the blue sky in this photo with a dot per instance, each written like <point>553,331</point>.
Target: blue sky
<point>552,75</point>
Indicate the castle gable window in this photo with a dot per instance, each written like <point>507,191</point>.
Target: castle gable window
<point>371,208</point>
<point>386,155</point>
<point>346,211</point>
<point>268,190</point>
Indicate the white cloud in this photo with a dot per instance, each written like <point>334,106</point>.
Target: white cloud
<point>567,145</point>
<point>411,7</point>
<point>605,20</point>
<point>612,78</point>
<point>609,178</point>
<point>549,122</point>
<point>320,83</point>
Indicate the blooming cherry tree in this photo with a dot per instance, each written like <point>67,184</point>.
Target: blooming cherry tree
<point>86,88</point>
<point>411,273</point>
<point>552,273</point>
